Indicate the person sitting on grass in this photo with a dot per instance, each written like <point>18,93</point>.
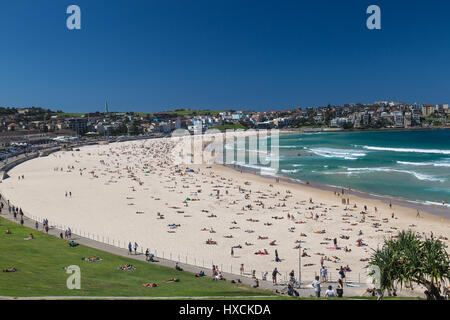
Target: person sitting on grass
<point>8,231</point>
<point>30,237</point>
<point>73,244</point>
<point>330,292</point>
<point>13,269</point>
<point>200,274</point>
<point>177,267</point>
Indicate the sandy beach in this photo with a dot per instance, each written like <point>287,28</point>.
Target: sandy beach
<point>133,191</point>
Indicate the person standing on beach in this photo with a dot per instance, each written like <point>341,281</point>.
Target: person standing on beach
<point>276,256</point>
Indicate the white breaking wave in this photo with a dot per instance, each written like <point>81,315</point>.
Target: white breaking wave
<point>437,204</point>
<point>419,176</point>
<point>434,164</point>
<point>438,151</point>
<point>289,171</point>
<point>347,154</point>
<point>268,171</point>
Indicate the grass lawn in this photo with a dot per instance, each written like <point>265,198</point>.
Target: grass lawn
<point>40,262</point>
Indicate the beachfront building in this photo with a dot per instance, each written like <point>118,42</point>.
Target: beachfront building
<point>427,110</point>
<point>79,125</point>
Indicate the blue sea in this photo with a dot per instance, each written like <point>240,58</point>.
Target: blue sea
<point>411,165</point>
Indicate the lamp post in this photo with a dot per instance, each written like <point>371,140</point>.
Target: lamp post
<point>299,264</point>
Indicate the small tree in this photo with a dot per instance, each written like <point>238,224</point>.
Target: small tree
<point>408,260</point>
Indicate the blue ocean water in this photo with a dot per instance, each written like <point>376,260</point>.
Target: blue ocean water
<point>407,164</point>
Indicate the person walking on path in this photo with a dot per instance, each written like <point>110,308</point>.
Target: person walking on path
<point>316,286</point>
<point>340,288</point>
<point>21,222</point>
<point>274,275</point>
<point>36,225</point>
<point>130,249</point>
<point>135,248</point>
<point>323,273</point>
<point>241,269</point>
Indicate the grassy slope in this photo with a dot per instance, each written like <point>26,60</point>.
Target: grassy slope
<point>40,262</point>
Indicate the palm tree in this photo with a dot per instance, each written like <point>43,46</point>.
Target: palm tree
<point>408,260</point>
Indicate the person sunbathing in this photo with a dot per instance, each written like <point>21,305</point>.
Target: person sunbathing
<point>272,243</point>
<point>304,254</point>
<point>172,280</point>
<point>149,285</point>
<point>92,259</point>
<point>127,267</point>
<point>320,232</point>
<point>262,238</point>
<point>13,269</point>
<point>248,243</point>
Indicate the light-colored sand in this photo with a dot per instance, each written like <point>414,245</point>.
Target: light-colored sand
<point>116,198</point>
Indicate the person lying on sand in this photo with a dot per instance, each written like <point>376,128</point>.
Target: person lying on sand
<point>263,253</point>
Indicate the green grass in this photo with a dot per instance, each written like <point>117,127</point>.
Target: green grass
<point>230,126</point>
<point>69,114</point>
<point>40,262</point>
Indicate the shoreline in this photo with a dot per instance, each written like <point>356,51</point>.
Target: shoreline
<point>435,210</point>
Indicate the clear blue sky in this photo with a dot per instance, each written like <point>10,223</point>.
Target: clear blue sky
<point>148,56</point>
